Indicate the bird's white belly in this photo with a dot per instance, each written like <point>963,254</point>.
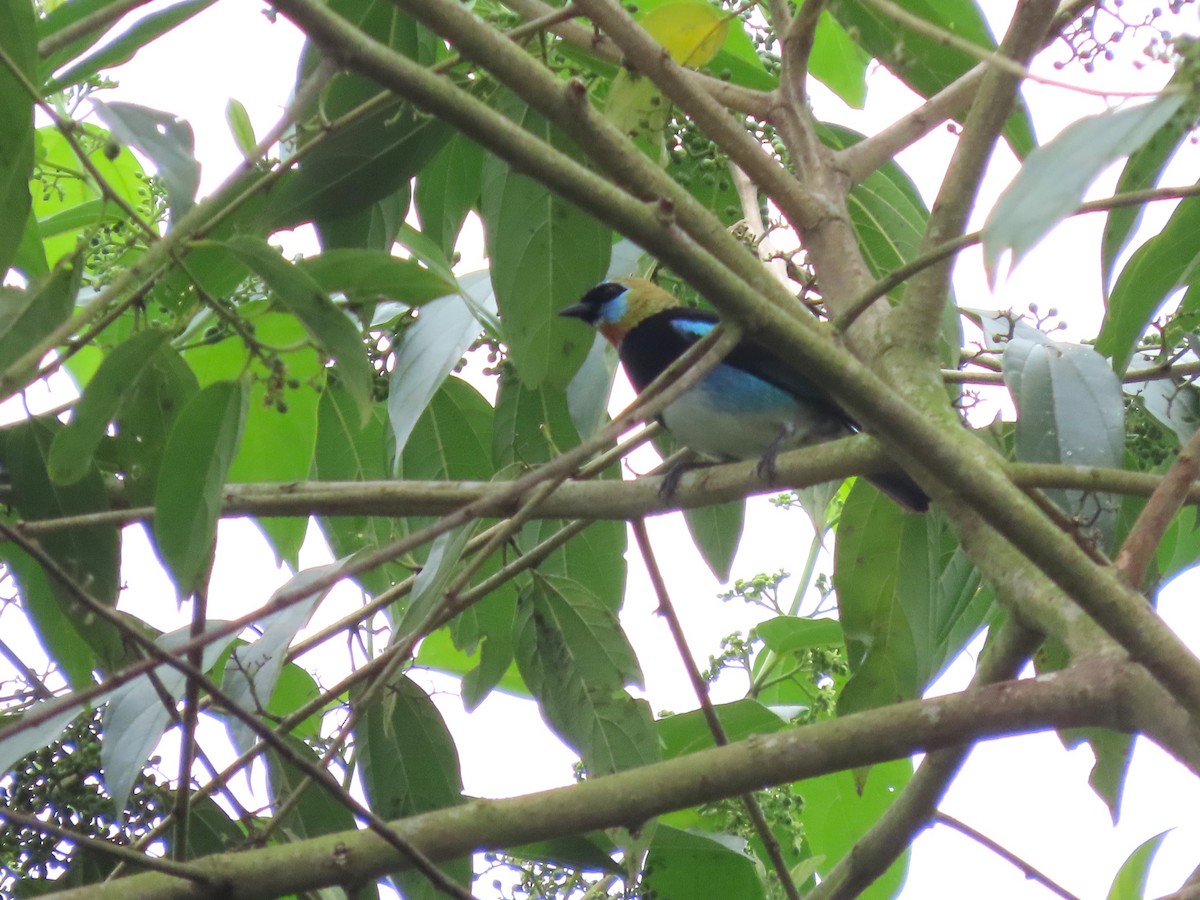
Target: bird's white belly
<point>715,426</point>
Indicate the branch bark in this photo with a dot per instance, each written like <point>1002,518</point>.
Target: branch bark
<point>1086,695</point>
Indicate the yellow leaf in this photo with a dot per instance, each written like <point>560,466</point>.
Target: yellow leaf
<point>691,30</point>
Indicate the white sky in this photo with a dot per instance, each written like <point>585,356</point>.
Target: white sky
<point>1027,793</point>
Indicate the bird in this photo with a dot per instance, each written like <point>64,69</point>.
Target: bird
<point>752,405</point>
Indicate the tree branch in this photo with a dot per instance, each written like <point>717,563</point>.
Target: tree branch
<point>916,321</point>
<point>649,58</point>
<point>732,96</point>
<point>894,831</point>
<point>937,454</point>
<point>624,500</point>
<point>1158,513</point>
<point>1082,695</point>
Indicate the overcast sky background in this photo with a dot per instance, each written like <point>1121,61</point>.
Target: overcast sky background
<point>1027,793</point>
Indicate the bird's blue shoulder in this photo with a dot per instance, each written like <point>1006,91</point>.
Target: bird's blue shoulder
<point>659,340</point>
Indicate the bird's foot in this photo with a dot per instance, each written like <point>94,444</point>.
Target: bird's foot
<point>766,465</point>
<point>671,477</point>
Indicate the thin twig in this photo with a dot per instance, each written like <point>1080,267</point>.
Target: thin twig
<point>761,827</point>
<point>92,844</point>
<point>1158,513</point>
<point>1004,853</point>
<point>894,831</point>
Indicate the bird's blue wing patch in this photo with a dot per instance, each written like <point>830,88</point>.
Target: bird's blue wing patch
<point>692,329</point>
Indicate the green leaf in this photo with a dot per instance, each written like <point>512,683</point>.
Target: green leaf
<point>576,660</point>
<point>838,812</point>
<point>136,717</point>
<point>29,315</point>
<point>1051,184</point>
<point>439,652</point>
<point>369,274</point>
<point>487,628</point>
<point>407,756</point>
<point>373,227</point>
<point>440,567</point>
<point>717,531</point>
<point>448,188</point>
<point>144,420</point>
<point>588,392</point>
<point>909,599</point>
<point>90,555</point>
<point>67,200</point>
<point>296,688</point>
<point>328,326</point>
<point>18,43</point>
<point>427,352</point>
<point>1165,262</point>
<point>30,258</point>
<point>356,166</point>
<point>838,62</point>
<point>532,425</point>
<point>1179,548</point>
<point>738,60</point>
<point>887,212</point>
<point>253,669</point>
<point>1142,171</point>
<point>61,16</point>
<point>346,451</point>
<point>1070,410</point>
<point>545,253</point>
<point>789,634</point>
<point>240,127</point>
<point>195,464</point>
<point>59,625</point>
<point>925,63</point>
<point>167,140</point>
<point>409,765</point>
<point>20,742</point>
<point>123,48</point>
<point>74,446</point>
<point>1130,883</point>
<point>280,430</point>
<point>448,443</point>
<point>318,809</point>
<point>591,853</point>
<point>683,865</point>
<point>211,830</point>
<point>688,732</point>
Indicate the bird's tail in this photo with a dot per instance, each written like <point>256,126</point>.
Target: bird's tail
<point>902,489</point>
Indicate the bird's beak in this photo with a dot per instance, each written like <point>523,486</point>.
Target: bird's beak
<point>576,311</point>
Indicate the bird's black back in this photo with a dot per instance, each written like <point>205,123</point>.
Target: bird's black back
<point>657,341</point>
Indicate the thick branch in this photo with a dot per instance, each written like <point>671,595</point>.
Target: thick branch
<point>918,318</point>
<point>894,831</point>
<point>873,151</point>
<point>1084,695</point>
<point>653,62</point>
<point>946,461</point>
<point>733,96</point>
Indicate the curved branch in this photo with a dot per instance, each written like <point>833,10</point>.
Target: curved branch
<point>1087,694</point>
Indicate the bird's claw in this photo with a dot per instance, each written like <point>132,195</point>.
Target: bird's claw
<point>766,466</point>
